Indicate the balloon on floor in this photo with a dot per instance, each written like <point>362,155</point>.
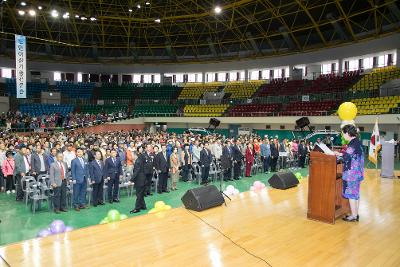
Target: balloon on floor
<point>56,227</point>
<point>159,206</point>
<point>113,216</point>
<point>231,190</point>
<point>257,186</point>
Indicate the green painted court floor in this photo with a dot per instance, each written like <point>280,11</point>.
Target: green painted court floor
<point>18,222</point>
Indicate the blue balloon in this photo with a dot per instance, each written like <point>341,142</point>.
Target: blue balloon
<point>57,227</point>
<point>44,233</point>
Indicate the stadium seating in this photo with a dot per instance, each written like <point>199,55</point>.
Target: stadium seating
<point>281,87</point>
<point>45,109</point>
<point>76,90</point>
<point>374,79</point>
<point>376,105</point>
<point>155,110</point>
<point>115,91</point>
<point>242,89</point>
<point>96,109</point>
<point>309,108</point>
<point>157,91</point>
<point>254,110</point>
<point>196,90</point>
<point>325,83</point>
<point>205,110</point>
<point>32,88</point>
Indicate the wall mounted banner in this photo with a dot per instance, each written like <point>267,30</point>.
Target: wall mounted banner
<point>20,65</point>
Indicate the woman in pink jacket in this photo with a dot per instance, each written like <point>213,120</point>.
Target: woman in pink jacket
<point>8,172</point>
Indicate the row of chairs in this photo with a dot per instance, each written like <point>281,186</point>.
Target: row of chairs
<point>37,191</point>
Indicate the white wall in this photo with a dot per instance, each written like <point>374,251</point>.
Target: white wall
<point>322,55</point>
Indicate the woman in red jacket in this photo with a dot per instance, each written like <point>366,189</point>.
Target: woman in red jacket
<point>249,159</point>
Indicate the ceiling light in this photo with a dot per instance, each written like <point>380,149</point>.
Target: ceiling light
<point>54,13</point>
<point>92,18</point>
<point>139,6</point>
<point>40,7</point>
<point>217,9</point>
<point>130,10</point>
<point>66,15</point>
<point>23,4</point>
<point>83,18</point>
<point>32,13</point>
<point>77,16</point>
<point>21,12</point>
<point>147,3</point>
<point>157,20</point>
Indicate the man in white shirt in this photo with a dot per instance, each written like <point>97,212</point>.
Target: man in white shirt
<point>69,155</point>
<point>196,149</point>
<point>217,149</point>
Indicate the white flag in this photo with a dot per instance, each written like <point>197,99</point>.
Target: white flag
<point>374,144</point>
<point>20,65</point>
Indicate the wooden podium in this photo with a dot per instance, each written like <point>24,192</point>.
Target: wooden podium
<point>325,201</point>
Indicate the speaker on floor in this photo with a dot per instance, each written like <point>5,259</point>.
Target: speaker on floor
<point>302,122</point>
<point>202,198</point>
<point>283,180</point>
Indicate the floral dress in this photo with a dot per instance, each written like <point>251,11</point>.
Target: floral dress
<point>353,169</point>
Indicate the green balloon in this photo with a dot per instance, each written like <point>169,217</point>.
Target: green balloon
<point>104,221</point>
<point>298,175</point>
<point>123,216</point>
<point>113,216</point>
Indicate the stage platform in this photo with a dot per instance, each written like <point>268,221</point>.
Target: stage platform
<point>268,228</point>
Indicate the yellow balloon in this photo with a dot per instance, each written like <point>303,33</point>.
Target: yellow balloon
<point>153,211</point>
<point>159,204</point>
<point>347,111</point>
<point>167,207</point>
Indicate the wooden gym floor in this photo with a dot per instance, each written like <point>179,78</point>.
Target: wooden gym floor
<point>269,228</point>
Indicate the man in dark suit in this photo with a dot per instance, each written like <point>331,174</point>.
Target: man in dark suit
<point>302,150</point>
<point>161,163</point>
<point>139,179</point>
<point>39,162</point>
<point>274,154</point>
<point>80,174</point>
<point>52,156</point>
<point>237,160</point>
<point>148,168</point>
<point>113,172</point>
<point>205,160</point>
<point>226,161</point>
<point>96,168</point>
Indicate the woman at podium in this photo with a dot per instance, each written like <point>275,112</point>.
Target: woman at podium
<point>353,170</point>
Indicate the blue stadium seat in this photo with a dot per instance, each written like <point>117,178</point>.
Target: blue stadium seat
<point>76,90</point>
<point>32,88</point>
<point>45,109</point>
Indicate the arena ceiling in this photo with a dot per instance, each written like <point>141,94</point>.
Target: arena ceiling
<point>190,30</point>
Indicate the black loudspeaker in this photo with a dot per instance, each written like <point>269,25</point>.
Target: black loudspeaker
<point>214,122</point>
<point>283,180</point>
<point>302,122</point>
<point>202,198</point>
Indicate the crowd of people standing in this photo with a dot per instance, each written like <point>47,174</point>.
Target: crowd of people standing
<point>87,159</point>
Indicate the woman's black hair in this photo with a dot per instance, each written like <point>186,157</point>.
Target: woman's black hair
<point>350,130</point>
<point>9,152</point>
